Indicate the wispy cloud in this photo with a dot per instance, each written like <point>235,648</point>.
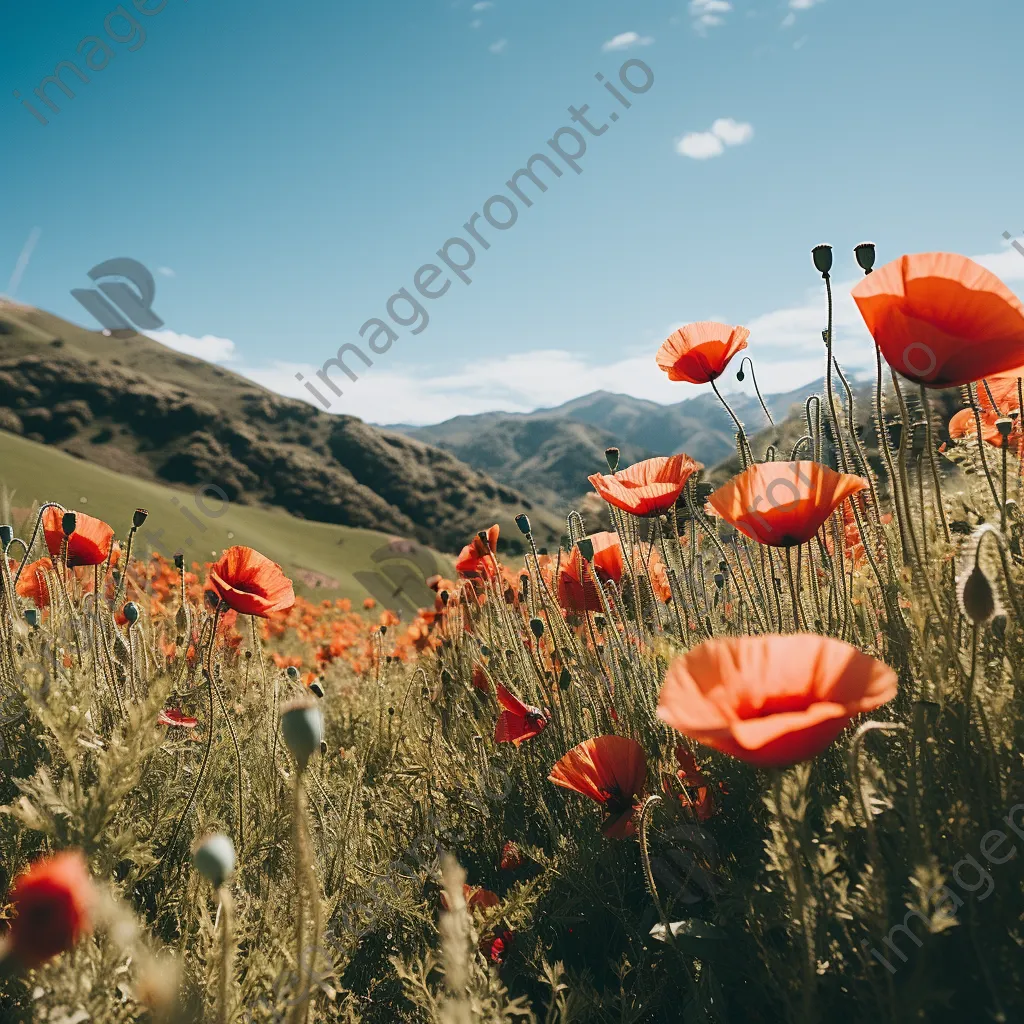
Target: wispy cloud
<point>627,40</point>
<point>708,13</point>
<point>23,260</point>
<point>483,5</point>
<point>208,347</point>
<point>803,5</point>
<point>724,132</point>
<point>499,46</point>
<point>166,272</point>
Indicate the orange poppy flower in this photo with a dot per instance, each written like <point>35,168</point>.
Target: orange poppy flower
<point>649,487</point>
<point>963,425</point>
<point>941,319</point>
<point>772,700</point>
<point>481,899</point>
<point>611,770</point>
<point>518,721</point>
<point>88,545</point>
<point>1004,390</point>
<point>250,583</point>
<point>475,559</point>
<point>690,777</point>
<point>783,503</point>
<point>52,903</point>
<point>33,582</point>
<point>576,590</point>
<point>700,352</point>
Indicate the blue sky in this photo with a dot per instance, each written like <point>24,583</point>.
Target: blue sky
<point>285,170</point>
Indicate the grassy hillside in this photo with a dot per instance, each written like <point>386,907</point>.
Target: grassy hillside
<point>322,559</point>
<point>134,406</point>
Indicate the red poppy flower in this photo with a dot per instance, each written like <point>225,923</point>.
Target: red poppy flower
<point>517,721</point>
<point>496,947</point>
<point>479,679</point>
<point>511,858</point>
<point>476,559</point>
<point>33,582</point>
<point>963,425</point>
<point>783,503</point>
<point>772,700</point>
<point>250,583</point>
<point>691,778</point>
<point>700,352</point>
<point>88,545</point>
<point>52,904</point>
<point>941,319</point>
<point>611,770</point>
<point>481,899</point>
<point>172,716</point>
<point>649,487</point>
<point>1003,388</point>
<point>576,590</point>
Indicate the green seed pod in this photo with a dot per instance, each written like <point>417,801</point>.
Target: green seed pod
<point>612,457</point>
<point>865,253</point>
<point>140,517</point>
<point>214,858</point>
<point>822,256</point>
<point>523,522</point>
<point>6,536</point>
<point>302,725</point>
<point>131,613</point>
<point>292,672</point>
<point>537,627</point>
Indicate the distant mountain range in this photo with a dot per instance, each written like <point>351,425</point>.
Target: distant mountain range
<point>551,452</point>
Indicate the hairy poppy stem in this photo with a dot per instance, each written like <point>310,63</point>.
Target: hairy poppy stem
<point>930,445</point>
<point>226,952</point>
<point>745,452</point>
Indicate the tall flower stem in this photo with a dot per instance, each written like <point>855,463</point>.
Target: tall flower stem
<point>226,952</point>
<point>745,452</point>
<point>930,445</point>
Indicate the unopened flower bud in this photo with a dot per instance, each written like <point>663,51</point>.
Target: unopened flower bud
<point>293,672</point>
<point>977,596</point>
<point>131,613</point>
<point>323,748</point>
<point>140,517</point>
<point>6,536</point>
<point>523,522</point>
<point>316,689</point>
<point>822,256</point>
<point>564,679</point>
<point>214,858</point>
<point>612,457</point>
<point>179,561</point>
<point>537,627</point>
<point>302,725</point>
<point>32,617</point>
<point>68,522</point>
<point>865,253</point>
<point>586,546</point>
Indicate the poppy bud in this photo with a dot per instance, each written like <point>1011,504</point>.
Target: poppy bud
<point>822,256</point>
<point>999,626</point>
<point>485,650</point>
<point>6,536</point>
<point>586,547</point>
<point>383,630</point>
<point>131,613</point>
<point>179,561</point>
<point>214,858</point>
<point>316,689</point>
<point>719,580</point>
<point>292,672</point>
<point>564,679</point>
<point>68,522</point>
<point>612,457</point>
<point>32,617</point>
<point>446,677</point>
<point>140,517</point>
<point>865,253</point>
<point>977,597</point>
<point>323,748</point>
<point>740,375</point>
<point>537,627</point>
<point>600,621</point>
<point>302,725</point>
<point>523,522</point>
<point>444,595</point>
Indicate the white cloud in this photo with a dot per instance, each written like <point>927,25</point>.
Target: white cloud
<point>499,46</point>
<point>789,20</point>
<point>803,5</point>
<point>724,132</point>
<point>166,272</point>
<point>208,347</point>
<point>476,23</point>
<point>483,5</point>
<point>700,145</point>
<point>708,13</point>
<point>626,40</point>
<point>800,42</point>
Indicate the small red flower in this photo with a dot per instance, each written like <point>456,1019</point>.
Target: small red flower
<point>576,590</point>
<point>52,904</point>
<point>496,947</point>
<point>517,721</point>
<point>611,770</point>
<point>88,545</point>
<point>174,717</point>
<point>476,898</point>
<point>647,488</point>
<point>477,558</point>
<point>700,352</point>
<point>250,583</point>
<point>511,858</point>
<point>33,582</point>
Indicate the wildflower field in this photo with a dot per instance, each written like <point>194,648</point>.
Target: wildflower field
<point>756,754</point>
